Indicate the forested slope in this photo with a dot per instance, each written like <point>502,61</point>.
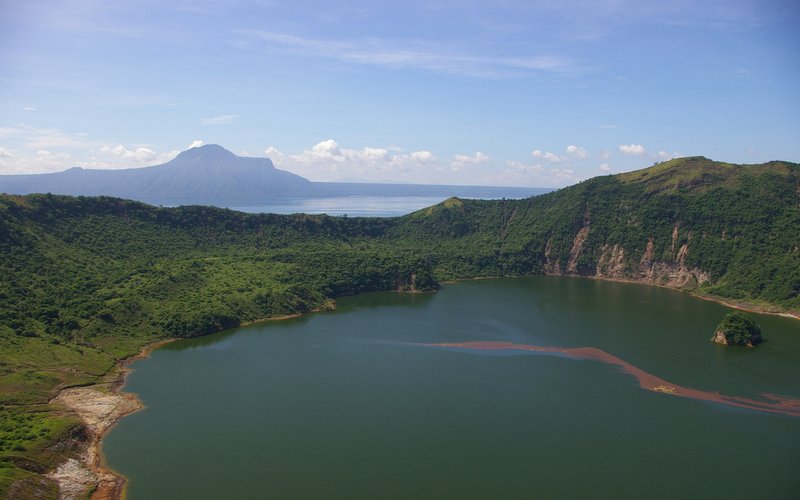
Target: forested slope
<point>715,228</point>
<point>85,282</point>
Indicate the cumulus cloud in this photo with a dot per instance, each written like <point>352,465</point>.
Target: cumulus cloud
<point>605,167</point>
<point>195,144</point>
<point>219,120</point>
<point>327,160</point>
<point>422,156</point>
<point>461,161</point>
<point>119,156</point>
<point>140,154</point>
<point>519,173</point>
<point>519,167</point>
<point>328,151</point>
<point>274,154</point>
<point>663,155</point>
<point>34,162</point>
<point>551,157</point>
<point>632,149</point>
<point>28,149</point>
<point>538,154</point>
<point>577,152</point>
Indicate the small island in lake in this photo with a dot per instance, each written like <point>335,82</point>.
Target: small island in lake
<point>737,329</point>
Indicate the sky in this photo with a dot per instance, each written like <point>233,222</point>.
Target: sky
<point>516,93</point>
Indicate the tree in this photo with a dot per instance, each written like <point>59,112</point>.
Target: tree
<point>737,329</point>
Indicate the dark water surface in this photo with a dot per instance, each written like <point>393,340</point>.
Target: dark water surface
<point>348,404</point>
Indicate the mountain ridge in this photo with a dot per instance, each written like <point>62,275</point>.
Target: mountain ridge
<point>212,175</point>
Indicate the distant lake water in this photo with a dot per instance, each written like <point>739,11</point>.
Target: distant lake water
<point>383,200</point>
<point>436,396</point>
<point>351,206</point>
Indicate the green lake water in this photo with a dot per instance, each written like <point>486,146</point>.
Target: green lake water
<point>349,404</point>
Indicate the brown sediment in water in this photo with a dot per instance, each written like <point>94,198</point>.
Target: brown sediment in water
<point>771,403</point>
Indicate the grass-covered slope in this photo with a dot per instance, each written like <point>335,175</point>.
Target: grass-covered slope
<point>85,282</point>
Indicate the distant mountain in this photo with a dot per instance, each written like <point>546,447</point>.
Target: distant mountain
<point>212,175</point>
<point>207,174</point>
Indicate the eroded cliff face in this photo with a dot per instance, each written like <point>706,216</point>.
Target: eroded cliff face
<point>615,262</point>
<point>551,265</point>
<point>577,248</point>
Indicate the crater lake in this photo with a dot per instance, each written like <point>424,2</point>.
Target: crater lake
<point>535,387</point>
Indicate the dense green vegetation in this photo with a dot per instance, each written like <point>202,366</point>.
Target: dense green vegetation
<point>86,282</point>
<point>738,329</point>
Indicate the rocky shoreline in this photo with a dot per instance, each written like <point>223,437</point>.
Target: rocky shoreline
<point>87,474</point>
<point>99,407</point>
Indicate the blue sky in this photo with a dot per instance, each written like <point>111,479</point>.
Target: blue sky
<point>540,93</point>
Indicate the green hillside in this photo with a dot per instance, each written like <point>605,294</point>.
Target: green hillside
<point>714,228</point>
<point>87,282</point>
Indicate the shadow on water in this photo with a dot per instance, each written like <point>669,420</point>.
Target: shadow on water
<point>370,300</point>
<point>225,335</point>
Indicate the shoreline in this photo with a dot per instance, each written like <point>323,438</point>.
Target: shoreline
<point>100,406</point>
<point>101,410</point>
<point>733,304</point>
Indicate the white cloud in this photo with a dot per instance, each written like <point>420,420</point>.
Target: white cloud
<point>119,156</point>
<point>28,108</point>
<point>422,156</point>
<point>663,155</point>
<point>605,167</point>
<point>519,167</point>
<point>327,160</point>
<point>461,161</point>
<point>608,126</point>
<point>551,157</point>
<point>140,154</point>
<point>219,120</point>
<point>632,149</point>
<point>521,174</point>
<point>29,150</point>
<point>195,144</point>
<point>274,154</point>
<point>577,152</point>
